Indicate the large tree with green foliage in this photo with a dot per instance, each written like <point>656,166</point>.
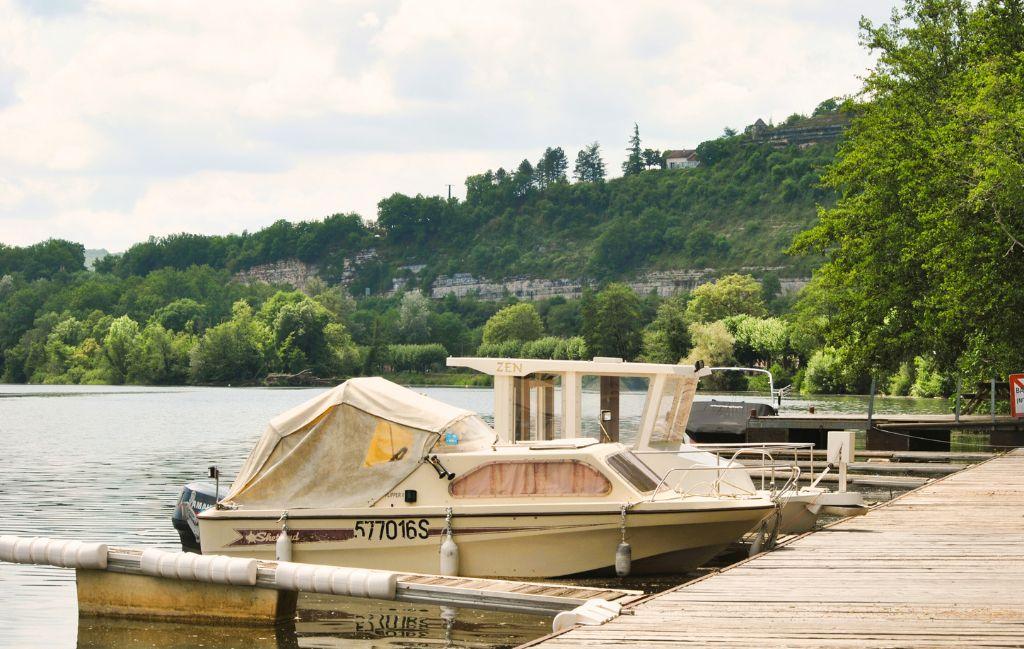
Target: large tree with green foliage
<point>667,338</point>
<point>924,247</point>
<point>239,349</point>
<point>612,322</point>
<point>728,296</point>
<point>516,322</point>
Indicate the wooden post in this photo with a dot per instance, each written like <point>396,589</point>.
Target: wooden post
<point>548,394</point>
<point>992,400</point>
<point>871,405</point>
<point>959,390</point>
<point>610,402</point>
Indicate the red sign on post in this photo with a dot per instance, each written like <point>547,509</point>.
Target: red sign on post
<point>1017,395</point>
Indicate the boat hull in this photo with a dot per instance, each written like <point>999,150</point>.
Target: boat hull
<point>528,545</point>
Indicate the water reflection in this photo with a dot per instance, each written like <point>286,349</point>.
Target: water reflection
<point>325,622</point>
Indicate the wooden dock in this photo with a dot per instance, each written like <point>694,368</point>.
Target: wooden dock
<point>941,566</point>
<point>906,432</point>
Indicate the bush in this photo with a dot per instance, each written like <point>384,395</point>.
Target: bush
<point>927,382</point>
<point>416,358</point>
<point>572,349</point>
<point>825,374</point>
<point>899,384</point>
<point>507,349</point>
<point>540,348</point>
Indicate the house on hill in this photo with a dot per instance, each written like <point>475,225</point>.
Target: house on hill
<point>681,159</point>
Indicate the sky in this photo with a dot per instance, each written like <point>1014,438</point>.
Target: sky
<point>121,119</point>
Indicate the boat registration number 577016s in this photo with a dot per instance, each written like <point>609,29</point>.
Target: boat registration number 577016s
<point>392,529</point>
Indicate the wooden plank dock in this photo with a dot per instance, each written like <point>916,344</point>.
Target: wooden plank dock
<point>941,566</point>
<point>891,432</point>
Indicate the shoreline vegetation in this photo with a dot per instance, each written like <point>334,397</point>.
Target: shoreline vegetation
<point>911,226</point>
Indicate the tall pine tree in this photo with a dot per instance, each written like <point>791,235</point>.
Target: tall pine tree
<point>634,163</point>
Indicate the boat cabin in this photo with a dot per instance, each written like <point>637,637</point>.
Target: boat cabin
<point>643,404</point>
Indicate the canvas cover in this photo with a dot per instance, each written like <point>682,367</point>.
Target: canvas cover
<point>351,445</point>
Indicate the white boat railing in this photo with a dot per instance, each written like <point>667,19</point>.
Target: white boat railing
<point>714,487</point>
<point>770,468</point>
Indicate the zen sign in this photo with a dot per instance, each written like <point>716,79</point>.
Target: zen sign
<point>1017,395</point>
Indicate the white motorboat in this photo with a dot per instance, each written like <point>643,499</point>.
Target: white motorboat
<point>647,406</point>
<point>371,474</point>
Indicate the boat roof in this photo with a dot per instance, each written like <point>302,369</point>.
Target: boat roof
<point>378,397</point>
<point>600,366</point>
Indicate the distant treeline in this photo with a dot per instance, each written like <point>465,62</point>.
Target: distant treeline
<point>741,207</point>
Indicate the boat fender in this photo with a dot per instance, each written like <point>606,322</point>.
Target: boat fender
<point>283,549</point>
<point>449,556</point>
<point>331,580</point>
<point>54,552</point>
<point>188,566</point>
<point>623,553</point>
<point>623,559</point>
<point>449,549</point>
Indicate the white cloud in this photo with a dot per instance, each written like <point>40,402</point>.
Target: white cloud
<point>124,119</point>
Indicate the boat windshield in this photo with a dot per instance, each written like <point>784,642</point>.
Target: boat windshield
<point>634,471</point>
<point>674,405</point>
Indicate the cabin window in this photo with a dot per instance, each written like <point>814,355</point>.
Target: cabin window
<point>537,407</point>
<point>612,407</point>
<point>526,478</point>
<point>634,471</point>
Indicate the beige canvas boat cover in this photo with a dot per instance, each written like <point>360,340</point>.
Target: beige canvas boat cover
<point>350,446</point>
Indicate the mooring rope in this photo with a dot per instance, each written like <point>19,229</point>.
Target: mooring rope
<point>929,439</point>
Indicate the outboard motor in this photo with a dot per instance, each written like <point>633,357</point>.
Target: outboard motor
<point>195,498</point>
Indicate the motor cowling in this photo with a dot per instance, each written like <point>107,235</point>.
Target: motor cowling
<point>195,498</point>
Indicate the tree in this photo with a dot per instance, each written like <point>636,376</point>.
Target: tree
<point>300,337</point>
<point>612,322</point>
<point>634,163</point>
<point>667,338</point>
<point>235,350</point>
<point>161,357</point>
<point>414,318</point>
<point>729,296</point>
<point>712,344</point>
<point>118,347</point>
<point>653,159</point>
<point>828,106</point>
<point>183,314</point>
<point>520,322</point>
<point>923,248</point>
<point>589,165</point>
<point>759,341</point>
<point>551,167</point>
<point>524,179</point>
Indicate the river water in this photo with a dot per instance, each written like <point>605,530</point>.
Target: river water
<point>106,463</point>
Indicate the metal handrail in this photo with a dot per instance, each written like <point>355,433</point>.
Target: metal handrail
<point>793,471</point>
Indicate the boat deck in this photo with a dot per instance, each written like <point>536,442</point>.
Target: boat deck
<point>942,566</point>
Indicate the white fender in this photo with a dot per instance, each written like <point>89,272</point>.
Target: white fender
<point>55,552</point>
